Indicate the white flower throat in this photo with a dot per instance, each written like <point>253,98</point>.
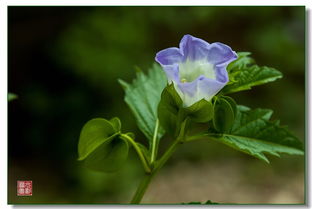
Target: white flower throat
<point>190,70</point>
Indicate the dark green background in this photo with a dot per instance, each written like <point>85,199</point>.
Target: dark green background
<point>64,63</point>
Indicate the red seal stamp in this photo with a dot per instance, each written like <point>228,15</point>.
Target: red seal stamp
<point>24,188</point>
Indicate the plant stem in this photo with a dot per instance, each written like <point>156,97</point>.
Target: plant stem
<point>154,143</point>
<point>200,136</point>
<point>158,165</point>
<point>138,150</point>
<point>148,176</point>
<point>142,188</point>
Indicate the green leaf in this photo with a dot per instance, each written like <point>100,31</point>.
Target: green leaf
<point>11,96</point>
<point>243,61</point>
<point>94,133</point>
<point>109,156</point>
<point>99,146</point>
<point>143,97</point>
<point>257,148</point>
<point>201,111</point>
<point>223,117</point>
<point>254,134</point>
<point>244,74</point>
<point>115,122</point>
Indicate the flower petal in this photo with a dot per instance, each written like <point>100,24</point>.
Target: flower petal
<point>169,56</point>
<point>220,53</point>
<point>201,88</point>
<point>221,73</point>
<point>172,72</point>
<point>193,48</point>
<point>207,88</point>
<point>187,92</point>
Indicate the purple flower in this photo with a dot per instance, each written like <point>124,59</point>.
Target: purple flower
<point>197,68</point>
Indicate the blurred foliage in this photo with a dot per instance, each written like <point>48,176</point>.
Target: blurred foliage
<point>64,63</point>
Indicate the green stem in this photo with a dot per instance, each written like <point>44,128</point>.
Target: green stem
<point>200,136</point>
<point>154,143</point>
<point>138,150</point>
<point>148,177</point>
<point>142,189</point>
<point>158,165</point>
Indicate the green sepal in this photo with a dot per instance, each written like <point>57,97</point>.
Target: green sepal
<point>201,111</point>
<point>232,102</point>
<point>224,115</point>
<point>171,99</point>
<point>168,109</point>
<point>171,112</point>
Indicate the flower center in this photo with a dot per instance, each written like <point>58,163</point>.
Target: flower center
<point>190,70</point>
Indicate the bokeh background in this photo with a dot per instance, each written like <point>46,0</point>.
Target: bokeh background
<point>64,63</point>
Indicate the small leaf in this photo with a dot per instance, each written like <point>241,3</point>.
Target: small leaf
<point>243,61</point>
<point>109,156</point>
<point>116,124</point>
<point>244,74</point>
<point>201,111</point>
<point>224,116</point>
<point>143,97</point>
<point>94,133</point>
<point>11,96</point>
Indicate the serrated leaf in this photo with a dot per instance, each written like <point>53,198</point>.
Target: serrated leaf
<point>109,156</point>
<point>244,74</point>
<point>143,97</point>
<point>243,61</point>
<point>257,148</point>
<point>94,133</point>
<point>254,134</point>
